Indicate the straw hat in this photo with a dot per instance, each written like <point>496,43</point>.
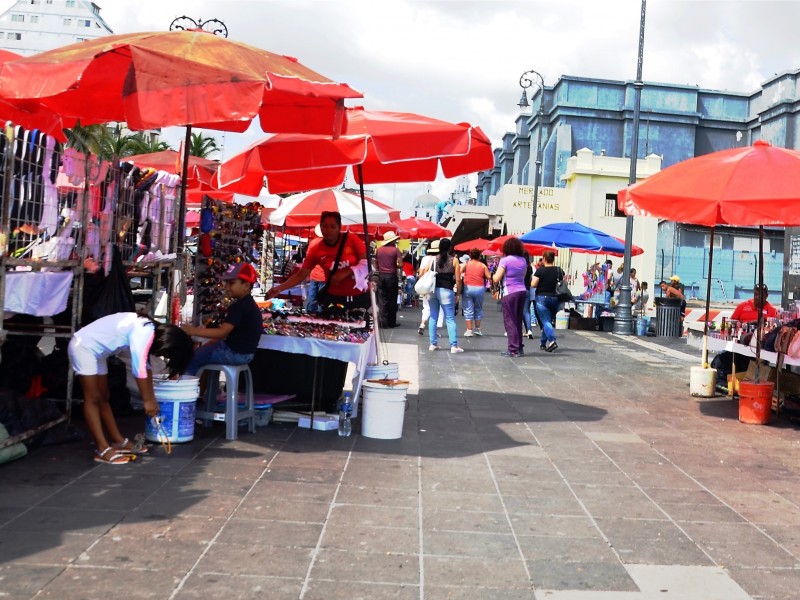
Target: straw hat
<point>389,237</point>
<point>433,248</point>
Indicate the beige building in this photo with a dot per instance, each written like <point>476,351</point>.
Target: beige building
<point>589,197</point>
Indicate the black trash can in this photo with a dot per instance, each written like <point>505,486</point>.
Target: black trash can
<point>668,317</point>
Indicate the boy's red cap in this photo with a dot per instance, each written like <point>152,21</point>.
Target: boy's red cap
<point>244,271</point>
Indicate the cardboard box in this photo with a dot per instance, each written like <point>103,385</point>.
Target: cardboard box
<point>789,383</point>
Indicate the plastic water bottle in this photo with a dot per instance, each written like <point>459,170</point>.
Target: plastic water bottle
<point>345,414</point>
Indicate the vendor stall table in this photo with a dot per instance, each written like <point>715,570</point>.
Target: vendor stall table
<point>360,354</point>
<point>715,344</point>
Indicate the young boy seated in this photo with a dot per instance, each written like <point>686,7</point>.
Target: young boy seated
<point>235,341</point>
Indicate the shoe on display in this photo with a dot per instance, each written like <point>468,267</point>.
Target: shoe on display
<point>433,347</point>
<point>456,350</point>
<point>468,333</point>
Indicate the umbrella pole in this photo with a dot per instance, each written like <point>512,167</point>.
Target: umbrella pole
<point>708,301</point>
<point>760,321</point>
<point>181,239</point>
<point>373,303</point>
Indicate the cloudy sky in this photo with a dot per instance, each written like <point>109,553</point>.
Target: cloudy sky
<point>461,60</point>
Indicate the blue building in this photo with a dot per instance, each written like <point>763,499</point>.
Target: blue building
<point>677,122</point>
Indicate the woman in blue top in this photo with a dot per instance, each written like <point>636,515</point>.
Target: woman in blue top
<point>510,274</point>
<point>545,280</point>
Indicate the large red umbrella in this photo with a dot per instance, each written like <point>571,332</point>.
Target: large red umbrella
<point>32,116</point>
<point>158,79</point>
<point>303,210</point>
<point>533,249</point>
<point>387,147</point>
<point>419,229</point>
<point>200,169</point>
<point>752,186</point>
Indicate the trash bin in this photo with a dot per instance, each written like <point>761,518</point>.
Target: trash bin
<point>668,317</point>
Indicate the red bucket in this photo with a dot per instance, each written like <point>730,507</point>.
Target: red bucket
<point>755,402</point>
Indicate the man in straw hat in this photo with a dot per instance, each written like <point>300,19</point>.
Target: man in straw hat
<point>388,259</point>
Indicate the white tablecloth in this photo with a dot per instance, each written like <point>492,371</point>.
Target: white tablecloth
<point>359,354</point>
<point>38,293</point>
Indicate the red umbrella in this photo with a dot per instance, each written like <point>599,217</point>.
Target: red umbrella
<point>479,243</point>
<point>387,147</point>
<point>752,186</point>
<point>33,116</point>
<point>303,210</point>
<point>419,229</point>
<point>533,249</point>
<point>200,169</point>
<point>158,79</point>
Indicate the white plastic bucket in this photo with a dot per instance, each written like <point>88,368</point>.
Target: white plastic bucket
<point>177,401</point>
<point>384,410</point>
<point>387,371</point>
<point>702,382</point>
<point>562,320</point>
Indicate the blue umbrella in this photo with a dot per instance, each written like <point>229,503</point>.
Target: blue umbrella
<point>575,236</point>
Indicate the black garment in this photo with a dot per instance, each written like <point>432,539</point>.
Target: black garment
<point>245,316</point>
<point>548,279</point>
<point>388,284</point>
<point>445,274</point>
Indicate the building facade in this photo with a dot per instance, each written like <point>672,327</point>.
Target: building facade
<point>676,123</point>
<point>33,26</point>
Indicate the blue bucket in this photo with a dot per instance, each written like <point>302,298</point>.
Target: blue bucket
<point>177,401</point>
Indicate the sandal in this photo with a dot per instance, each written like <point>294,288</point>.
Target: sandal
<point>139,447</point>
<point>117,458</point>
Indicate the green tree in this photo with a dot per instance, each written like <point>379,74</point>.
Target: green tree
<point>86,138</point>
<point>203,146</point>
<point>147,144</point>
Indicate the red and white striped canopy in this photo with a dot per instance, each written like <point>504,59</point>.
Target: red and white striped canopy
<point>303,210</point>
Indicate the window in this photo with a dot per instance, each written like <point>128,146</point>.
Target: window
<point>70,3</point>
<point>611,209</point>
<point>67,21</point>
<point>36,1</point>
<point>34,18</point>
<point>17,18</point>
<point>80,39</point>
<point>14,36</point>
<point>84,23</point>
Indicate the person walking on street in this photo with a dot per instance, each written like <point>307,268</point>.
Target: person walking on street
<point>426,264</point>
<point>475,276</point>
<point>389,260</point>
<point>409,277</point>
<point>544,281</point>
<point>510,274</point>
<point>448,286</point>
<point>528,313</point>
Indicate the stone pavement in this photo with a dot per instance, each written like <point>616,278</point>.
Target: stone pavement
<point>586,474</point>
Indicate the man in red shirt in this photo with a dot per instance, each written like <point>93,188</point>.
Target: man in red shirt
<point>747,311</point>
<point>388,260</point>
<point>346,284</point>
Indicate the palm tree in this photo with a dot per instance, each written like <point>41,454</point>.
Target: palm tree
<point>203,146</point>
<point>86,138</point>
<point>146,144</point>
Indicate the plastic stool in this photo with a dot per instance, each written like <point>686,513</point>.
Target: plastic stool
<point>232,413</point>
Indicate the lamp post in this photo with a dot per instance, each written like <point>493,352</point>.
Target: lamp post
<point>526,81</point>
<point>623,320</point>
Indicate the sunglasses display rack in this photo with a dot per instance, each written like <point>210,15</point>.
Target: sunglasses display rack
<point>230,234</point>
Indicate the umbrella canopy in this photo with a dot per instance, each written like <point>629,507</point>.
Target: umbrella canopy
<point>30,117</point>
<point>496,245</point>
<point>418,229</point>
<point>303,210</point>
<point>200,169</point>
<point>578,238</point>
<point>479,243</point>
<point>159,79</point>
<point>750,186</point>
<point>388,147</point>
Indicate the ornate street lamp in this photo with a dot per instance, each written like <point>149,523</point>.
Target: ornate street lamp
<point>623,320</point>
<point>185,23</point>
<point>525,81</point>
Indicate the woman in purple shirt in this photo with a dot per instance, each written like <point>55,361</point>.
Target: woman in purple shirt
<point>510,274</point>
